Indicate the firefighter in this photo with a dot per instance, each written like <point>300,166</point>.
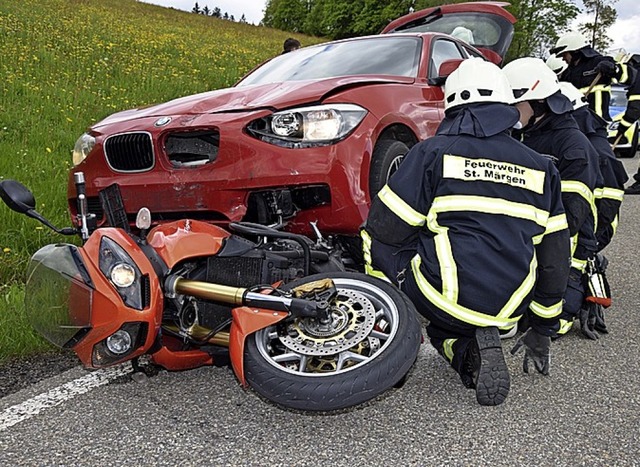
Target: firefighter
<point>552,130</point>
<point>471,227</point>
<point>609,195</point>
<point>585,67</point>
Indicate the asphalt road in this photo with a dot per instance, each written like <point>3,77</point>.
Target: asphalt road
<point>587,412</point>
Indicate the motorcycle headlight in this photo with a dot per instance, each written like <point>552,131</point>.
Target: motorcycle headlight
<point>319,125</point>
<point>82,148</point>
<point>122,272</point>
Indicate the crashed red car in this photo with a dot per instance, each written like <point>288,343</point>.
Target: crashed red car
<point>307,136</point>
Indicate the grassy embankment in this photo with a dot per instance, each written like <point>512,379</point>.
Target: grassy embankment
<point>69,63</point>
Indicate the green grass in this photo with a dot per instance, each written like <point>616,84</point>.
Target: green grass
<point>69,63</point>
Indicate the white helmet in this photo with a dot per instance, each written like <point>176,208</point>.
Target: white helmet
<point>532,80</point>
<point>556,64</point>
<point>573,94</point>
<point>476,80</point>
<point>570,42</point>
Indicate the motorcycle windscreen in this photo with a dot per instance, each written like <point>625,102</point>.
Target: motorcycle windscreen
<point>58,294</point>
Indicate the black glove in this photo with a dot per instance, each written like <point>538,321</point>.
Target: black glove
<point>606,67</point>
<point>587,318</point>
<point>600,325</point>
<point>537,348</point>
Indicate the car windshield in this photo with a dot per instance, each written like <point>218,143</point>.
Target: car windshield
<point>58,294</point>
<point>618,97</point>
<point>397,56</point>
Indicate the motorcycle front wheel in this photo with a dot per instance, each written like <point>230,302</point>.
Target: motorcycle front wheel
<point>370,345</point>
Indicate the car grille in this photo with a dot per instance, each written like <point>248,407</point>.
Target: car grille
<point>130,152</point>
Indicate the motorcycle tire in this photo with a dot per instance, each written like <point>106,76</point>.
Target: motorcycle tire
<point>354,363</point>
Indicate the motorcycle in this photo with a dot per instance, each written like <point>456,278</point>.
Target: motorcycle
<point>283,311</point>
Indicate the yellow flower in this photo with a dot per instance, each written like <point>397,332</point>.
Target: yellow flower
<point>6,250</point>
<point>48,149</point>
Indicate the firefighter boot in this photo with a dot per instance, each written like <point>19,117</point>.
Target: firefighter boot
<point>485,364</point>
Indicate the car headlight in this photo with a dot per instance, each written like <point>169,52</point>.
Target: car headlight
<point>82,148</point>
<point>122,272</point>
<point>304,127</point>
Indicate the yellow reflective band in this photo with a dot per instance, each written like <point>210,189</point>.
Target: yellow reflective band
<point>447,348</point>
<point>556,224</point>
<point>448,268</point>
<point>574,243</point>
<point>400,207</point>
<point>610,193</point>
<point>487,170</point>
<point>573,186</point>
<point>624,76</point>
<point>623,122</point>
<point>459,312</point>
<point>635,97</point>
<point>565,327</point>
<point>579,264</point>
<point>546,311</point>
<point>488,205</point>
<point>521,292</point>
<point>366,246</point>
<point>614,224</point>
<point>370,271</point>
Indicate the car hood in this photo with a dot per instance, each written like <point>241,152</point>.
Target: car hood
<point>245,98</point>
<point>486,26</point>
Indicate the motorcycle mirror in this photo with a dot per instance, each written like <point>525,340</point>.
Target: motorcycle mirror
<point>143,219</point>
<point>17,196</point>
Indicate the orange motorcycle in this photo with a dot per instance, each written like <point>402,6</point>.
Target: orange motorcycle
<point>281,309</point>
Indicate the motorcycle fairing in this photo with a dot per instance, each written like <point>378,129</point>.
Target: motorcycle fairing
<point>245,322</point>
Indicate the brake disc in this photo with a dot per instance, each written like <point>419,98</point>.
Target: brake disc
<point>352,319</point>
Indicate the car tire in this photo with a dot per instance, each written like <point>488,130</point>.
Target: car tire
<point>387,156</point>
<point>628,153</point>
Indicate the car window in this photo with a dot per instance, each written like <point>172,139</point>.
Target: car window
<point>384,55</point>
<point>442,50</point>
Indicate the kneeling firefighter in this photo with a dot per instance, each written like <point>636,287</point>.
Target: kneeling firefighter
<point>472,228</point>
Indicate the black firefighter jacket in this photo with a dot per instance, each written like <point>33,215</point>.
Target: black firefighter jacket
<point>608,196</point>
<point>485,218</point>
<point>578,164</point>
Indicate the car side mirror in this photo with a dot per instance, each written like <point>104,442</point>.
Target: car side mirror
<point>17,196</point>
<point>446,68</point>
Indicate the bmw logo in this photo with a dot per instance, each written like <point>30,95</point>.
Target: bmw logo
<point>162,121</point>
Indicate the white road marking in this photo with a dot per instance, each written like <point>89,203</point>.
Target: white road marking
<point>56,396</point>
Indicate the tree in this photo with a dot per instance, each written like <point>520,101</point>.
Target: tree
<point>288,15</point>
<point>243,19</point>
<point>196,9</point>
<point>206,11</point>
<point>604,15</point>
<point>540,22</point>
<point>216,13</point>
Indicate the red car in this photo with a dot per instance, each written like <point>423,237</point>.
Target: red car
<point>307,136</point>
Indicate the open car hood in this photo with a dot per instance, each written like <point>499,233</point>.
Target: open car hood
<point>485,25</point>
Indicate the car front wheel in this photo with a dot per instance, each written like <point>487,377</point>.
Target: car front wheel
<point>387,156</point>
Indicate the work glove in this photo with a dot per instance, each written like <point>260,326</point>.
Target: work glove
<point>606,67</point>
<point>600,325</point>
<point>537,348</point>
<point>587,316</point>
